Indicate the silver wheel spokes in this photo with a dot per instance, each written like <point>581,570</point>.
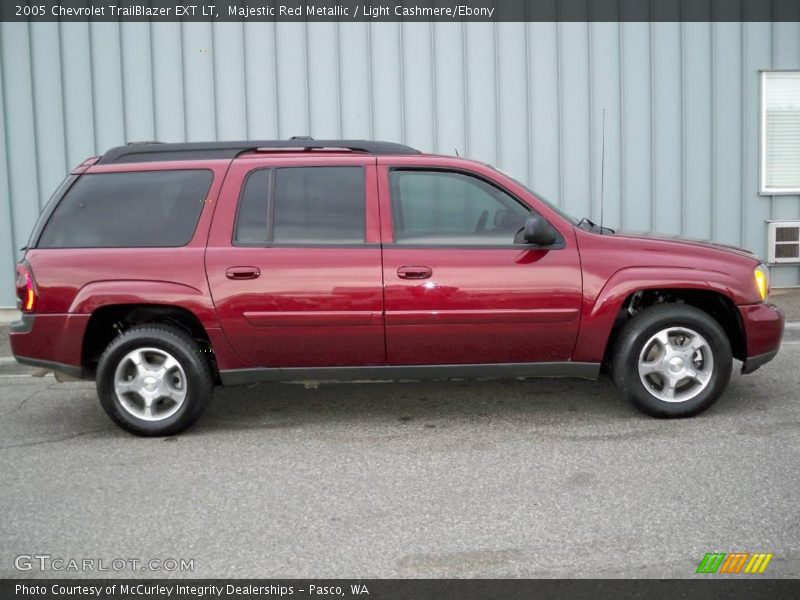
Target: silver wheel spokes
<point>676,364</point>
<point>150,384</point>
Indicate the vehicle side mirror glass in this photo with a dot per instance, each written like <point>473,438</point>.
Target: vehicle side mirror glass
<point>539,232</point>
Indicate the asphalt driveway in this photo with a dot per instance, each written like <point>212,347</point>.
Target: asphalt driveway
<point>523,478</point>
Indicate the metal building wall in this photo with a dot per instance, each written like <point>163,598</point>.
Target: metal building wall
<point>681,107</point>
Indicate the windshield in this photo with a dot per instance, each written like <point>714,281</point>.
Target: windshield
<point>539,197</point>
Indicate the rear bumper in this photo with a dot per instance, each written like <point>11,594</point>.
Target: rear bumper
<point>49,341</point>
<point>71,370</point>
<point>763,329</point>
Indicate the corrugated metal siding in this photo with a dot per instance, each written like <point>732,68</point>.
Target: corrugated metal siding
<point>681,106</point>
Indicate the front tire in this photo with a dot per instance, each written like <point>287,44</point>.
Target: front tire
<point>672,360</point>
<point>153,380</point>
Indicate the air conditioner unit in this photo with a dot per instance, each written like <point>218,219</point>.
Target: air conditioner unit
<point>784,242</point>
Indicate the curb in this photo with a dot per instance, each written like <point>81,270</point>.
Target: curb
<point>8,315</point>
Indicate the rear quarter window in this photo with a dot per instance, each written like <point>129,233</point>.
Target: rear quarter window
<point>129,210</point>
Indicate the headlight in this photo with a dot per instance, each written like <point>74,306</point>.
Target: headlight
<point>762,281</point>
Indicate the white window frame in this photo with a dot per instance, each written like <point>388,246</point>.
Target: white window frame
<point>763,189</point>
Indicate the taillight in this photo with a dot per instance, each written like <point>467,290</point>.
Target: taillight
<point>26,289</point>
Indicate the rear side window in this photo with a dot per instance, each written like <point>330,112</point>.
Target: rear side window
<point>128,210</point>
<point>319,204</point>
<point>303,205</point>
<point>252,221</point>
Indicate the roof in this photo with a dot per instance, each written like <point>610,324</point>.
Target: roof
<point>156,151</point>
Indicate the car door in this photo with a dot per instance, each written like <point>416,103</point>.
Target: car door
<point>294,262</point>
<point>458,290</point>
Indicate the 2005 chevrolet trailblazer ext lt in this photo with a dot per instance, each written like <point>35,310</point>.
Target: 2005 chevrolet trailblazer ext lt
<point>162,270</point>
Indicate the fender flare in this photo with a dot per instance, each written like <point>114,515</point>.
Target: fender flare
<point>99,294</point>
<point>600,312</point>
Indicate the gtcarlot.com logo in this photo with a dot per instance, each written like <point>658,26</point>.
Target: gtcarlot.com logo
<point>734,563</point>
<point>47,562</point>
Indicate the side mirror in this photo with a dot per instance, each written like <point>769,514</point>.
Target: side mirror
<point>539,232</point>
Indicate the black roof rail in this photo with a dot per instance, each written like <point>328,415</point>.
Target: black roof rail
<point>156,151</point>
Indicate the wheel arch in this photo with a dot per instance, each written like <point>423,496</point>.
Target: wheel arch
<point>717,305</point>
<point>633,289</point>
<point>110,320</point>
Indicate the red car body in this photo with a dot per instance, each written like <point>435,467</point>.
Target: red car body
<point>268,311</point>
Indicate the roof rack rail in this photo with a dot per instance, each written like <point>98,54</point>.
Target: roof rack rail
<point>157,151</point>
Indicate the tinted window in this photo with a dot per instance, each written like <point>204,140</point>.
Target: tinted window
<point>48,210</point>
<point>117,210</point>
<point>430,207</point>
<point>319,204</point>
<point>252,220</point>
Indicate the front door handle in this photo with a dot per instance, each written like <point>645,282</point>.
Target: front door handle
<point>414,272</point>
<point>237,273</point>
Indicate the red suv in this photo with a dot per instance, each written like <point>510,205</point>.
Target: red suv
<point>162,270</point>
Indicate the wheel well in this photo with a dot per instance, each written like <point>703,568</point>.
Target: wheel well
<point>108,322</point>
<point>715,304</point>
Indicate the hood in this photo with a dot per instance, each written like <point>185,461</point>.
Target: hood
<point>664,237</point>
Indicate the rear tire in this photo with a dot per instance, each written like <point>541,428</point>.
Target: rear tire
<point>153,380</point>
<point>672,360</point>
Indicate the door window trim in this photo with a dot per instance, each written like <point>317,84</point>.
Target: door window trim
<point>559,244</point>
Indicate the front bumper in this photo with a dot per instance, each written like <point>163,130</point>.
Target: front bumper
<point>763,330</point>
<point>754,362</point>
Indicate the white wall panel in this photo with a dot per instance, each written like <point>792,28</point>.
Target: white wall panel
<point>137,81</point>
<point>323,81</point>
<point>105,60</point>
<point>7,238</point>
<point>512,98</point>
<point>229,81</point>
<point>261,85</point>
<point>483,134</point>
<point>606,94</point>
<point>355,80</point>
<point>575,131</point>
<point>666,126</point>
<point>545,102</point>
<point>292,76</point>
<point>386,75</point>
<point>698,155</point>
<point>450,101</point>
<point>48,106</point>
<point>197,48</point>
<point>20,126</point>
<point>167,62</point>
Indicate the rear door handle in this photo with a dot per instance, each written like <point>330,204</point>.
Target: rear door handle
<point>242,272</point>
<point>414,272</point>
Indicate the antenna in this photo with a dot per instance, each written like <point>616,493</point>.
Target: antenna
<point>457,154</point>
<point>602,170</point>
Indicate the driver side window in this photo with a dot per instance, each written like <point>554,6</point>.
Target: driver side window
<point>450,208</point>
